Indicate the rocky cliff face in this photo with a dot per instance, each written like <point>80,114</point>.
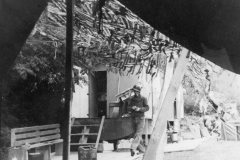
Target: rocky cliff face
<point>227,104</point>
<point>219,85</point>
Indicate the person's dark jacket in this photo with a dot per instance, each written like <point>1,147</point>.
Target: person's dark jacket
<point>140,102</point>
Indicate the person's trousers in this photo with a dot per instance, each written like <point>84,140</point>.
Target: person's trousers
<point>138,126</point>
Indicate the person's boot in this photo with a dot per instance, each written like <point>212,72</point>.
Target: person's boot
<point>132,152</point>
<point>141,149</point>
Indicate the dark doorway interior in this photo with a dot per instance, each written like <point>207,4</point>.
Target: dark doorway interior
<point>101,85</point>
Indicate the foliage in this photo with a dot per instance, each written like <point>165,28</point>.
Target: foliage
<point>34,88</point>
<point>189,101</point>
<point>30,102</point>
<point>197,83</point>
<point>38,59</point>
<point>4,142</point>
<point>35,102</point>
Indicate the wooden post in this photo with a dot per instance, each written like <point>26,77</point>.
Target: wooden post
<point>146,131</point>
<point>161,123</point>
<point>1,104</point>
<point>68,79</point>
<point>224,131</point>
<point>1,108</point>
<point>236,131</point>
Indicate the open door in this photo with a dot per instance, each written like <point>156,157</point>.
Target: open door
<point>98,94</point>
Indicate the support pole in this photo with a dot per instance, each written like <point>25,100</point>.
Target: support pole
<point>161,123</point>
<point>68,80</point>
<point>1,105</point>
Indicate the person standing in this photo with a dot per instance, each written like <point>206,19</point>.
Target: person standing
<point>136,106</point>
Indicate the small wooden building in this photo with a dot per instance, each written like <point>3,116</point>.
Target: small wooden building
<point>95,99</point>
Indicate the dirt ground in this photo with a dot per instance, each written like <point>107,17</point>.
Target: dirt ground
<point>209,150</point>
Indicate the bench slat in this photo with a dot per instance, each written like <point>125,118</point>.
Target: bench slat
<point>29,141</point>
<point>27,129</point>
<point>26,135</point>
<point>49,132</point>
<point>46,138</point>
<point>36,140</point>
<point>45,144</point>
<point>36,134</point>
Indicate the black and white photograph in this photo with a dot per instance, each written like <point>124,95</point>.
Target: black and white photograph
<point>119,79</point>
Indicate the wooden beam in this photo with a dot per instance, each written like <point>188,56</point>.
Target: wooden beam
<point>99,132</point>
<point>163,142</point>
<point>165,85</point>
<point>68,79</point>
<point>161,123</point>
<point>146,131</point>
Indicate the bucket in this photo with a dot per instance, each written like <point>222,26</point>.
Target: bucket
<point>35,156</point>
<point>175,137</point>
<point>87,153</point>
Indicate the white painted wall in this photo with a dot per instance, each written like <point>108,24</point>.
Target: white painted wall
<point>80,106</point>
<point>80,100</point>
<point>151,89</point>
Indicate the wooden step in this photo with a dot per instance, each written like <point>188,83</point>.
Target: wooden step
<point>85,134</point>
<point>81,144</point>
<point>89,125</point>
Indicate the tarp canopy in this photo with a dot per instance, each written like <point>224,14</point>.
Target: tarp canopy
<point>113,32</point>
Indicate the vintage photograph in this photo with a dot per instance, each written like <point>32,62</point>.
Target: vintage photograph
<point>119,79</point>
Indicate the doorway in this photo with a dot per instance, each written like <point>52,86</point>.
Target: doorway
<point>101,89</point>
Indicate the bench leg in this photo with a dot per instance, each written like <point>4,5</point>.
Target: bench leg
<point>59,149</point>
<point>49,152</point>
<point>25,152</point>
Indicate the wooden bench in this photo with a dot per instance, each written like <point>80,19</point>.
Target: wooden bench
<point>39,138</point>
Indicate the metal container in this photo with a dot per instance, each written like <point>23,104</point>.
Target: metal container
<point>35,156</point>
<point>87,153</point>
<point>175,137</point>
